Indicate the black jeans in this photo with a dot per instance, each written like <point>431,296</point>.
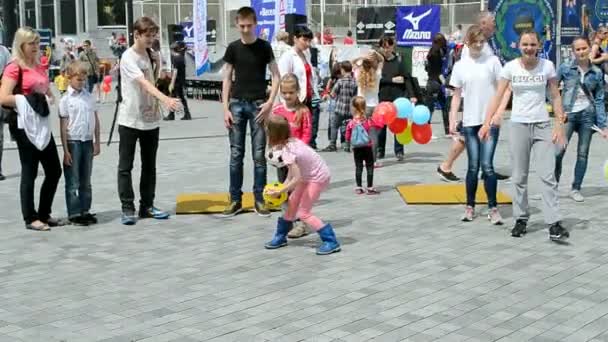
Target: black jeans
<point>435,94</point>
<point>30,157</point>
<point>364,154</point>
<point>178,92</point>
<point>382,144</point>
<point>148,146</point>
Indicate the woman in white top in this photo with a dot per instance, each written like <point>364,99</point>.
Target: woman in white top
<point>529,78</point>
<point>297,61</point>
<point>477,74</point>
<point>368,72</point>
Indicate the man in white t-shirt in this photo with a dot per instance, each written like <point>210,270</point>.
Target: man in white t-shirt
<point>139,119</point>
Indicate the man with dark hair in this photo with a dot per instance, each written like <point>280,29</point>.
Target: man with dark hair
<point>395,82</point>
<point>90,59</point>
<point>245,103</point>
<point>139,119</point>
<point>178,79</point>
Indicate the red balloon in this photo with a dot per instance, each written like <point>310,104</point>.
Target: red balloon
<point>398,125</point>
<point>422,133</point>
<point>385,113</point>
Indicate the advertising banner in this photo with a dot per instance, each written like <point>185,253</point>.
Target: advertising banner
<point>265,11</point>
<point>417,25</point>
<point>188,32</point>
<point>374,22</point>
<point>201,51</point>
<point>418,61</point>
<point>571,21</point>
<point>515,16</point>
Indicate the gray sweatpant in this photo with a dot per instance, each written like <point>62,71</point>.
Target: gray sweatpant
<point>524,138</point>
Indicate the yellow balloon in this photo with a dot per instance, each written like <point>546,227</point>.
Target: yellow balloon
<point>274,202</point>
<point>405,137</point>
<point>606,170</point>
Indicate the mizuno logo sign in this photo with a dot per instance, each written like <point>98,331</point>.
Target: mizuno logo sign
<point>415,21</point>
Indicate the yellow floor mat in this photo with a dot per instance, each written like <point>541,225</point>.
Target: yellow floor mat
<point>445,194</point>
<point>209,203</point>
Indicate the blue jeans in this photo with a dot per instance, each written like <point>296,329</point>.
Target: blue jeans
<point>579,122</point>
<point>91,82</point>
<point>481,152</point>
<point>244,112</point>
<point>78,192</point>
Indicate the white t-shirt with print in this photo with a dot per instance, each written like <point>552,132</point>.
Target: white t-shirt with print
<point>478,77</point>
<point>371,94</point>
<point>138,108</point>
<point>529,90</point>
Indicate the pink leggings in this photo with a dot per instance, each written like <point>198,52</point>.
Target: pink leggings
<point>300,203</point>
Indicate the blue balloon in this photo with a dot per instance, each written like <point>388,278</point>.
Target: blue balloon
<point>421,115</point>
<point>404,108</point>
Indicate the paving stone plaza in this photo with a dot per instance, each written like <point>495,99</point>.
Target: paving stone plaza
<point>405,273</point>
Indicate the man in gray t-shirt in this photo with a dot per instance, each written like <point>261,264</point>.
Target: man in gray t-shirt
<point>5,57</point>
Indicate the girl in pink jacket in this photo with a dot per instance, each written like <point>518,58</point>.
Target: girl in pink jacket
<point>358,134</point>
<point>299,118</point>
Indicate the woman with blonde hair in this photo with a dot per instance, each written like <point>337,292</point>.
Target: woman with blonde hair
<point>31,128</point>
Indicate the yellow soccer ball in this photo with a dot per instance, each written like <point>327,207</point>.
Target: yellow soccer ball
<point>272,201</point>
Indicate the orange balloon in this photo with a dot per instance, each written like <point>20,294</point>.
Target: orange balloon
<point>422,133</point>
<point>398,125</point>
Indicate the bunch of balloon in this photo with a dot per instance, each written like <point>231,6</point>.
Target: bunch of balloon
<point>421,128</point>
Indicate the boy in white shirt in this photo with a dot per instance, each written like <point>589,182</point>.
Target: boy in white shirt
<point>80,140</point>
<point>139,119</point>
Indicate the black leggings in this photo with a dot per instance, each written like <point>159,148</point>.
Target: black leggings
<point>364,154</point>
<point>30,157</point>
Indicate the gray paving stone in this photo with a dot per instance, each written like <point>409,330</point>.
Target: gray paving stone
<point>405,273</point>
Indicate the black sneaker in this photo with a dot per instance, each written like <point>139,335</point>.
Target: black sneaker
<point>2,177</point>
<point>79,221</point>
<point>399,156</point>
<point>232,209</point>
<point>447,176</point>
<point>519,229</point>
<point>501,176</point>
<point>261,209</point>
<point>330,148</point>
<point>557,232</point>
<point>89,218</point>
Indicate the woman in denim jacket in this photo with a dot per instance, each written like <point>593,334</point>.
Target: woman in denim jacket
<point>583,98</point>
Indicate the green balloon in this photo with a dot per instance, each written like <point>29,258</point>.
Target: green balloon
<point>405,137</point>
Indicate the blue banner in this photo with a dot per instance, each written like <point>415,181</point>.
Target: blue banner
<point>594,13</point>
<point>515,16</point>
<point>265,12</point>
<point>417,25</point>
<point>571,21</point>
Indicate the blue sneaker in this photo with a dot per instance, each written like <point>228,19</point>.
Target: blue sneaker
<point>154,213</point>
<point>128,218</point>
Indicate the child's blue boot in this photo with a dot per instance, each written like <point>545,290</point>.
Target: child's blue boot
<point>330,243</point>
<point>280,236</point>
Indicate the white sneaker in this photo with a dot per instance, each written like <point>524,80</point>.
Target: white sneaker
<point>577,196</point>
<point>536,197</point>
<point>469,214</point>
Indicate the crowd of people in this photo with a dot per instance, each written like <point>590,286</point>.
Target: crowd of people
<point>284,119</point>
